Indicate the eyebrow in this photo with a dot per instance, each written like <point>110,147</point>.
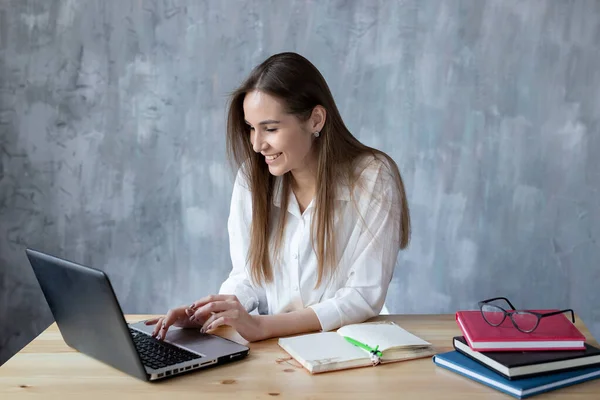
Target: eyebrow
<point>266,122</point>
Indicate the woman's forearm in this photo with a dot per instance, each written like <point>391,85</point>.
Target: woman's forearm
<point>295,322</point>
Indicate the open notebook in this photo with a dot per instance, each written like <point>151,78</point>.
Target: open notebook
<point>330,351</point>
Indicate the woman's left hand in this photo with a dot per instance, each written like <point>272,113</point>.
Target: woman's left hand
<point>224,309</point>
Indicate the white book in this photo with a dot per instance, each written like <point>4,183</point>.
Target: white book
<point>330,351</point>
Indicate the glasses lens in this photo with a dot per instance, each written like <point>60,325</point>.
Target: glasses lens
<point>526,322</point>
<point>492,314</point>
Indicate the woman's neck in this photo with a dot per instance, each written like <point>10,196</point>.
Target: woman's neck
<point>304,182</point>
<point>304,185</point>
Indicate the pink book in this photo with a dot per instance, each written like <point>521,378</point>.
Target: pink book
<point>553,333</point>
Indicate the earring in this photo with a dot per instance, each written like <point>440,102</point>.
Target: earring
<point>317,134</point>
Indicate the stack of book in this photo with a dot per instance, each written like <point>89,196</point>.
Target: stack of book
<point>521,364</point>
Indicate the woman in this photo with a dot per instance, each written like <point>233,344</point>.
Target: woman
<point>317,218</point>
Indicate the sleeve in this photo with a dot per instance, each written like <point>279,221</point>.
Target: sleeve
<point>374,258</point>
<point>238,283</point>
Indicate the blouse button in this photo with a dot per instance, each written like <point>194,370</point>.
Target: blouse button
<point>295,256</point>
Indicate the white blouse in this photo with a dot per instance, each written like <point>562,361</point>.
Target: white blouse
<point>367,249</point>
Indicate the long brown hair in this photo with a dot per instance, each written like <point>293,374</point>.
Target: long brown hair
<point>299,84</point>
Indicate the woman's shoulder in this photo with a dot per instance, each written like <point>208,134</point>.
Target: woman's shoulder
<point>372,182</point>
<point>374,169</point>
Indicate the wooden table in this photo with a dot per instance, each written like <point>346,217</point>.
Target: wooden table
<point>47,368</point>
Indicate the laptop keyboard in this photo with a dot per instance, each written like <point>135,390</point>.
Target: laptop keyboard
<point>158,354</point>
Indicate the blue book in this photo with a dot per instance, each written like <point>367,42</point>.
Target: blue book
<point>522,388</point>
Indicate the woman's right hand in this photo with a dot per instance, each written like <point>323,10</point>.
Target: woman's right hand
<point>179,316</point>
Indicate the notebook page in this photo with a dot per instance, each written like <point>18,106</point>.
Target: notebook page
<point>386,335</point>
<point>321,348</point>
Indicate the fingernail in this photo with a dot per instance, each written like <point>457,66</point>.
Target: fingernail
<point>192,318</point>
<point>192,307</point>
<point>209,327</point>
<point>202,330</point>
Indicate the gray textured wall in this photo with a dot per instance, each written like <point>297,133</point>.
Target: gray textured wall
<point>112,141</point>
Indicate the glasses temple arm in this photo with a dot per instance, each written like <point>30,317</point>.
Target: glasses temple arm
<point>497,298</point>
<point>570,310</point>
<point>509,303</point>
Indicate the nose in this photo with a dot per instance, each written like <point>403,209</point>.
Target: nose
<point>258,143</point>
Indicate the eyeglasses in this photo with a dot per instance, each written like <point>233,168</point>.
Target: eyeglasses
<point>524,321</point>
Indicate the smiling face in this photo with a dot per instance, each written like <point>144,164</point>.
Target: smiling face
<point>285,142</point>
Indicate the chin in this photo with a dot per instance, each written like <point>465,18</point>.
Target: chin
<point>277,171</point>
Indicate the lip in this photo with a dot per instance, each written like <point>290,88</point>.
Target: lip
<point>271,161</point>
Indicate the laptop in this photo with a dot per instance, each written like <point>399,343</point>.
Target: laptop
<point>91,321</point>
